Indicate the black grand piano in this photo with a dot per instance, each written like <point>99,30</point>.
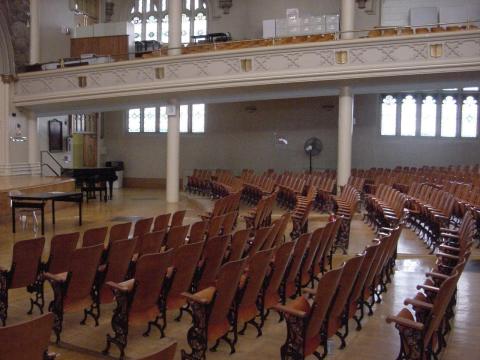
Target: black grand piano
<point>93,179</point>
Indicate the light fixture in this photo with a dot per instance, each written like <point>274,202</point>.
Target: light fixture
<point>18,137</point>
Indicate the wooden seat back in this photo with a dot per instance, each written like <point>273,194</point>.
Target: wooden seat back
<point>259,239</point>
<point>62,247</point>
<point>297,258</point>
<point>26,259</point>
<point>92,237</point>
<point>120,232</point>
<point>213,254</point>
<point>326,290</point>
<point>149,243</point>
<point>238,244</point>
<point>142,227</point>
<point>215,225</point>
<point>118,261</point>
<point>176,236</point>
<point>161,222</point>
<point>83,268</point>
<point>150,274</point>
<point>197,232</point>
<point>177,218</point>
<point>229,222</point>
<point>27,340</point>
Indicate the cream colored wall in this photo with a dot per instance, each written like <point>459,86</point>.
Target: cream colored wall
<point>236,139</point>
<point>54,14</point>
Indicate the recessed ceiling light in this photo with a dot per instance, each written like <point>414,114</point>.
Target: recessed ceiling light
<point>471,88</point>
<point>452,89</point>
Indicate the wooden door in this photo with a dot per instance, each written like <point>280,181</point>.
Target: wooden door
<point>90,150</point>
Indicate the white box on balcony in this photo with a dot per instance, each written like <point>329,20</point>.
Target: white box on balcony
<point>423,16</point>
<point>453,14</point>
<point>113,29</point>
<point>81,32</point>
<point>332,23</point>
<point>268,29</point>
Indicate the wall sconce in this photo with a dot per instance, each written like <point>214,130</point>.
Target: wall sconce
<point>225,5</point>
<point>18,137</point>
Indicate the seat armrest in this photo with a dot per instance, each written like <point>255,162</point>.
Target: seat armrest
<point>405,322</point>
<point>288,310</point>
<point>61,277</point>
<point>196,298</point>
<point>428,288</point>
<point>309,291</point>
<point>433,274</point>
<point>418,303</point>
<point>125,286</point>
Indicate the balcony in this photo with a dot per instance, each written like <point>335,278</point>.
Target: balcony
<point>278,65</point>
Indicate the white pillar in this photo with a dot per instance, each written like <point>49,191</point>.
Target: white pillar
<point>4,120</point>
<point>34,33</point>
<point>345,130</point>
<point>173,155</point>
<point>33,147</point>
<point>174,27</point>
<point>347,18</point>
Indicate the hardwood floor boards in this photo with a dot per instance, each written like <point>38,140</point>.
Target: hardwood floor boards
<point>377,340</point>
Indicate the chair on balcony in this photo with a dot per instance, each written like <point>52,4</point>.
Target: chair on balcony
<point>62,247</point>
<point>92,237</point>
<point>306,329</point>
<point>211,307</point>
<point>161,222</point>
<point>23,272</point>
<point>72,289</point>
<point>139,299</point>
<point>27,340</point>
<point>114,270</point>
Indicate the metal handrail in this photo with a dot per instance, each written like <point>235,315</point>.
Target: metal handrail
<point>42,163</point>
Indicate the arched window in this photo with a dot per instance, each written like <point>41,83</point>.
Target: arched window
<point>449,117</point>
<point>409,116</point>
<point>469,117</point>
<point>389,115</point>
<point>428,126</point>
<point>150,19</point>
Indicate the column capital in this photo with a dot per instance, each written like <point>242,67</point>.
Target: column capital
<point>8,78</point>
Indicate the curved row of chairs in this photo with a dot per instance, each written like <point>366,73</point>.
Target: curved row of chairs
<point>385,208</point>
<point>423,327</point>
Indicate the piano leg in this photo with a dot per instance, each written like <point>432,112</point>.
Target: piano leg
<point>110,185</point>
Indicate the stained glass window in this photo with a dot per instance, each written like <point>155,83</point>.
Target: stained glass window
<point>449,117</point>
<point>469,117</point>
<point>134,120</point>
<point>428,126</point>
<point>389,116</point>
<point>149,119</point>
<point>409,116</point>
<point>198,118</point>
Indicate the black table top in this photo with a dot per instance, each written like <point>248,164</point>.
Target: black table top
<point>46,196</point>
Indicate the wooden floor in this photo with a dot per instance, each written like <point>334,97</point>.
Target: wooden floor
<point>377,340</point>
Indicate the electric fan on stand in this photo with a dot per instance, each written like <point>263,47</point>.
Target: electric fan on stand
<point>313,147</point>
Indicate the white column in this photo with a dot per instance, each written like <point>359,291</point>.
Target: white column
<point>345,130</point>
<point>347,18</point>
<point>173,155</point>
<point>174,27</point>
<point>34,33</point>
<point>4,120</point>
<point>33,147</point>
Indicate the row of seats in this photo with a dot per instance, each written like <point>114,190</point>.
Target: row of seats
<point>424,326</point>
<point>378,32</point>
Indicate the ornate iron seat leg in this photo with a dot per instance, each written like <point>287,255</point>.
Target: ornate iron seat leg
<point>37,289</point>
<point>56,306</point>
<point>119,323</point>
<point>197,334</point>
<point>3,296</point>
<point>293,347</point>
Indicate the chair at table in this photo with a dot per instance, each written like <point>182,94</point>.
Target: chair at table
<point>306,322</point>
<point>166,354</point>
<point>27,340</point>
<point>23,271</point>
<point>211,311</point>
<point>114,270</point>
<point>62,247</point>
<point>119,232</point>
<point>24,212</point>
<point>177,218</point>
<point>92,237</point>
<point>72,289</point>
<point>138,299</point>
<point>251,285</point>
<point>161,222</point>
